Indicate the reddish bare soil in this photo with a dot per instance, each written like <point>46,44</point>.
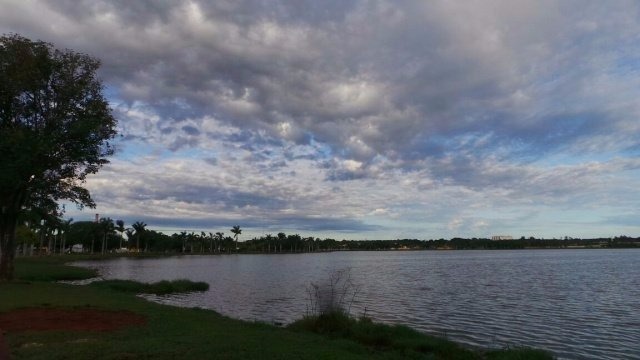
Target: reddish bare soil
<point>4,349</point>
<point>78,319</point>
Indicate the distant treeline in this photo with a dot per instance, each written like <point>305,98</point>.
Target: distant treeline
<point>93,235</point>
<point>488,244</point>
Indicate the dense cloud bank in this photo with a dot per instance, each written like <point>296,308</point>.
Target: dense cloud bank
<point>404,118</point>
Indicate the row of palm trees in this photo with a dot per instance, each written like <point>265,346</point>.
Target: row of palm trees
<point>108,227</point>
<point>138,229</point>
<point>217,242</point>
<point>106,235</point>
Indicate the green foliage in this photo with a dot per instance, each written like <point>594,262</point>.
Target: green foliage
<point>25,235</point>
<point>159,288</point>
<point>55,122</point>
<point>176,286</point>
<point>56,127</point>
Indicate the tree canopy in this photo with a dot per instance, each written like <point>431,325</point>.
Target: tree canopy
<point>55,129</point>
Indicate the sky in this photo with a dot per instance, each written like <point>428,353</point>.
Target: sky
<point>362,119</point>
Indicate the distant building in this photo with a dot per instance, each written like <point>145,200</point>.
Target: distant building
<point>501,237</point>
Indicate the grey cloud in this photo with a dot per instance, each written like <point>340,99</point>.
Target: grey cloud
<point>225,198</point>
<point>190,130</point>
<point>470,95</point>
<point>389,77</point>
<point>167,130</point>
<point>181,142</point>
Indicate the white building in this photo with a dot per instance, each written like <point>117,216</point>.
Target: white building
<point>501,237</point>
<point>77,249</point>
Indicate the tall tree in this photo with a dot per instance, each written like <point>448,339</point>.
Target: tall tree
<point>268,238</point>
<point>120,228</point>
<point>107,228</point>
<point>220,237</point>
<point>130,234</point>
<point>236,231</point>
<point>210,237</point>
<point>282,237</point>
<point>64,228</point>
<point>56,126</point>
<point>139,228</point>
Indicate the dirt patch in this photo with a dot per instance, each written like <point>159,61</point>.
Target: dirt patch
<point>4,349</point>
<point>83,319</point>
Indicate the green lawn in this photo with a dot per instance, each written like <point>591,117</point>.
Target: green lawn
<point>179,333</point>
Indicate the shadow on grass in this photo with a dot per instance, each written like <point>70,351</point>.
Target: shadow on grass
<point>50,269</point>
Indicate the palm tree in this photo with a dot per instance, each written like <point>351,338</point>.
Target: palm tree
<point>139,228</point>
<point>269,237</point>
<point>130,234</point>
<point>220,236</point>
<point>210,237</point>
<point>183,236</point>
<point>190,239</point>
<point>65,225</point>
<point>106,227</point>
<point>236,230</point>
<point>120,228</point>
<point>281,239</point>
<point>203,237</point>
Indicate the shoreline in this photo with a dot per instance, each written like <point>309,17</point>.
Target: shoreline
<point>173,320</point>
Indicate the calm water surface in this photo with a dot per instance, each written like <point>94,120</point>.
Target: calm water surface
<point>579,304</point>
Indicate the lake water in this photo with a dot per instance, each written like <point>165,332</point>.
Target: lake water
<point>579,304</point>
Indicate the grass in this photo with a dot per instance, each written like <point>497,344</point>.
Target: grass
<point>173,332</point>
<point>159,288</point>
<point>50,268</point>
<point>402,340</point>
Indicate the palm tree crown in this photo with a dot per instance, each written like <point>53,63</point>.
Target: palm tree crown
<point>139,228</point>
<point>236,230</point>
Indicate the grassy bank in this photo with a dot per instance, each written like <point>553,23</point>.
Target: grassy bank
<point>172,332</point>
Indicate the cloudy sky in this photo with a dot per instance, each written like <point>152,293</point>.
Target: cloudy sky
<point>363,119</point>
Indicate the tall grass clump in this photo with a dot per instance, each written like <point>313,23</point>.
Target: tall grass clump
<point>336,295</point>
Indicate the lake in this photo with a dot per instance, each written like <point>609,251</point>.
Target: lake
<point>577,303</point>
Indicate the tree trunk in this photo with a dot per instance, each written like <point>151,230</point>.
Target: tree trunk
<point>7,246</point>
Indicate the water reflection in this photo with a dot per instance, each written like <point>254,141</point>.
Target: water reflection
<point>580,304</point>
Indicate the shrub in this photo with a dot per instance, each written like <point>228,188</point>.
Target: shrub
<point>333,296</point>
<point>159,288</point>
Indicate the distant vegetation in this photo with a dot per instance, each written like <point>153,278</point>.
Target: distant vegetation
<point>56,235</point>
